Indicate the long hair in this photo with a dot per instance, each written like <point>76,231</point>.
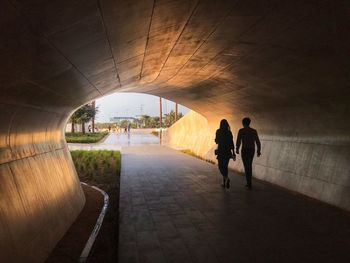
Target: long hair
<point>224,126</point>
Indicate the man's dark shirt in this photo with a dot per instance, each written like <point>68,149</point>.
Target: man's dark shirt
<point>248,137</point>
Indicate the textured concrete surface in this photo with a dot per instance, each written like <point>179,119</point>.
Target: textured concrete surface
<point>284,63</point>
<point>173,209</point>
<point>40,194</point>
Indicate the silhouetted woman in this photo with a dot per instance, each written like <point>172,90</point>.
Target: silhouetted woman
<point>225,150</point>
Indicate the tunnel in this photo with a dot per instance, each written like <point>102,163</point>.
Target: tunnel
<point>285,64</point>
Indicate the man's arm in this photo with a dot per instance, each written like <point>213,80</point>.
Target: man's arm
<point>238,142</point>
<point>258,144</point>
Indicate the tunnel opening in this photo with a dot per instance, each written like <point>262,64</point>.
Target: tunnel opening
<point>123,114</point>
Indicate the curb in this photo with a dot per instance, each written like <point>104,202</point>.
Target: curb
<point>86,251</point>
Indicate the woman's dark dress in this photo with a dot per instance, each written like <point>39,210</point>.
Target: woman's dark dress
<point>224,139</point>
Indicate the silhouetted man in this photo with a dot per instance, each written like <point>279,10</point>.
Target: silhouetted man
<point>248,137</point>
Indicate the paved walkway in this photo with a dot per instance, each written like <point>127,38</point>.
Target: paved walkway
<point>172,209</point>
<point>114,141</point>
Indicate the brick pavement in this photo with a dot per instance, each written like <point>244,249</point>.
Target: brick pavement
<point>172,209</point>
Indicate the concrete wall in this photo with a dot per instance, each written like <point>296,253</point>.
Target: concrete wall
<point>40,194</point>
<point>191,132</point>
<point>316,166</point>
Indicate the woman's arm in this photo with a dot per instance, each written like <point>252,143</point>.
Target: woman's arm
<point>232,147</point>
<point>217,137</point>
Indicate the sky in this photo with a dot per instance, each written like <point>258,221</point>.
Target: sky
<point>131,105</point>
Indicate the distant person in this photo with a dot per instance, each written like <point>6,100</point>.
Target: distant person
<point>89,128</point>
<point>248,137</point>
<point>129,127</point>
<point>225,150</point>
<point>109,128</point>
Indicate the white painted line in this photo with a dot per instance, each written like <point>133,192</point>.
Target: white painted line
<point>85,253</point>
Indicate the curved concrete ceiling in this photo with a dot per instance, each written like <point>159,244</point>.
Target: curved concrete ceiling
<point>284,63</point>
<point>251,56</point>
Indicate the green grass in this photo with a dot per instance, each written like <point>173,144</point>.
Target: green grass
<point>102,169</point>
<point>99,167</point>
<point>189,152</point>
<point>78,137</point>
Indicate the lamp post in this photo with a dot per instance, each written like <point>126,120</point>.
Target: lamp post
<point>176,111</point>
<point>93,104</point>
<point>160,118</point>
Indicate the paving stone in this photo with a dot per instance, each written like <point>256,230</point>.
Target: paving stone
<point>191,236</point>
<point>152,256</point>
<point>128,252</point>
<point>166,230</point>
<point>203,254</point>
<point>160,216</point>
<point>170,214</point>
<point>181,221</point>
<point>176,251</point>
<point>147,240</point>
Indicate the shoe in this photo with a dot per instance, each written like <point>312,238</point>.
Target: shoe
<point>249,187</point>
<point>228,183</point>
<point>223,183</point>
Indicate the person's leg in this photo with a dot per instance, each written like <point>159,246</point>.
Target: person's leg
<point>245,160</point>
<point>222,164</point>
<point>249,171</point>
<point>225,165</point>
<point>249,161</point>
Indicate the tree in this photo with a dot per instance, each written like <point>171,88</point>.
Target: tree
<point>73,120</point>
<point>83,115</point>
<point>170,118</point>
<point>135,124</point>
<point>154,122</point>
<point>146,121</point>
<point>124,124</point>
